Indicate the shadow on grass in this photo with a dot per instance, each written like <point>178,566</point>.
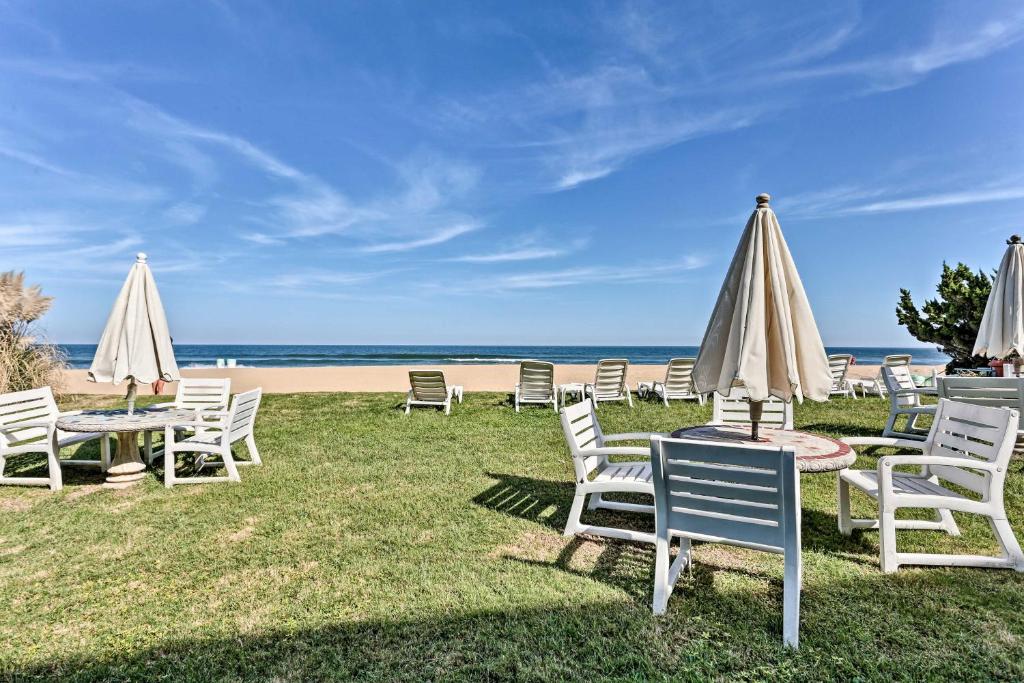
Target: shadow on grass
<point>921,625</point>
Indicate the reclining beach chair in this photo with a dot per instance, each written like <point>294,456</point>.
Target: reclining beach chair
<point>610,382</point>
<point>597,475</point>
<point>428,388</point>
<point>536,384</point>
<point>734,409</point>
<point>677,385</point>
<point>839,366</point>
<point>746,496</point>
<point>28,425</point>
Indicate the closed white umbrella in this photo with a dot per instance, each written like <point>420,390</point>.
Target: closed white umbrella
<point>136,344</point>
<point>762,334</point>
<point>1002,326</point>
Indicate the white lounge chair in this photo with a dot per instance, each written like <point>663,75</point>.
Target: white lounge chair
<point>597,475</point>
<point>215,432</point>
<point>905,401</point>
<point>677,385</point>
<point>839,366</point>
<point>876,387</point>
<point>748,496</point>
<point>968,446</point>
<point>610,382</point>
<point>28,425</point>
<point>428,388</point>
<point>536,384</point>
<point>734,409</point>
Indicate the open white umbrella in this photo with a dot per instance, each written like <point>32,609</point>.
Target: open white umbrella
<point>136,344</point>
<point>762,334</point>
<point>1002,326</point>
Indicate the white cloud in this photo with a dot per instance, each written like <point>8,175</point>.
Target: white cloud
<point>438,237</point>
<point>626,274</point>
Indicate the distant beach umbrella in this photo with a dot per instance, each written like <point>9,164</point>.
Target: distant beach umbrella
<point>136,344</point>
<point>1002,327</point>
<point>762,334</point>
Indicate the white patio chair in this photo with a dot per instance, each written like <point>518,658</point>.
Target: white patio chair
<point>994,392</point>
<point>597,475</point>
<point>215,432</point>
<point>677,385</point>
<point>193,393</point>
<point>905,401</point>
<point>428,388</point>
<point>734,409</point>
<point>876,387</point>
<point>839,366</point>
<point>28,425</point>
<point>747,496</point>
<point>536,384</point>
<point>968,446</point>
<point>610,382</point>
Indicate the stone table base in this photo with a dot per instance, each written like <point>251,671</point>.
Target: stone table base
<point>127,469</point>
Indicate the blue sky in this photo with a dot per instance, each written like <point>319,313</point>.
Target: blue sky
<point>489,172</point>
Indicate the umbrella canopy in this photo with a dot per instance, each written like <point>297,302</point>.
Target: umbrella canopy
<point>1002,327</point>
<point>762,334</point>
<point>136,343</point>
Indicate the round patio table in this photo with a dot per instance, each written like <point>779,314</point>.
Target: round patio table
<point>127,467</point>
<point>814,452</point>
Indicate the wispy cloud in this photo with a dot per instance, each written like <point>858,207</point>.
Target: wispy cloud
<point>529,249</point>
<point>439,237</point>
<point>861,200</point>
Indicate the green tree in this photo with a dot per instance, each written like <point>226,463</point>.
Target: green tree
<point>952,320</point>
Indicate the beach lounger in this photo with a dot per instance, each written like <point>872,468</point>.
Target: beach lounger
<point>610,382</point>
<point>28,426</point>
<point>428,388</point>
<point>677,385</point>
<point>839,366</point>
<point>536,384</point>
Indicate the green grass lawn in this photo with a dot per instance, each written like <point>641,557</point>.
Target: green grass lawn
<point>376,546</point>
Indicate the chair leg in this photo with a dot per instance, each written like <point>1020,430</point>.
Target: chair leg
<point>661,571</point>
<point>791,600</point>
<point>945,517</point>
<point>254,454</point>
<point>575,511</point>
<point>595,501</point>
<point>229,463</point>
<point>629,397</point>
<point>147,445</point>
<point>168,465</point>
<point>890,423</point>
<point>845,528</point>
<point>53,466</point>
<point>105,453</point>
<point>887,542</point>
<point>1004,534</point>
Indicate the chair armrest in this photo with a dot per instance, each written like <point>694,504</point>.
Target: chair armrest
<point>967,463</point>
<point>49,425</point>
<point>887,441</point>
<point>923,391</point>
<point>616,450</point>
<point>196,423</point>
<point>632,436</point>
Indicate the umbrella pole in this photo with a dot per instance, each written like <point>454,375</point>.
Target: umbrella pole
<point>756,409</point>
<point>132,392</point>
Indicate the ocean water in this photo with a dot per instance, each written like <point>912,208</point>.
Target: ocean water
<point>282,356</point>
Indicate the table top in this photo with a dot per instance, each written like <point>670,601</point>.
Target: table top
<point>814,452</point>
<point>120,421</point>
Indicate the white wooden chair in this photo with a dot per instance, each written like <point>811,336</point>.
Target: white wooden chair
<point>747,496</point>
<point>677,385</point>
<point>610,382</point>
<point>969,446</point>
<point>215,432</point>
<point>428,388</point>
<point>536,384</point>
<point>597,475</point>
<point>994,392</point>
<point>876,387</point>
<point>193,393</point>
<point>905,401</point>
<point>28,425</point>
<point>839,366</point>
<point>734,409</point>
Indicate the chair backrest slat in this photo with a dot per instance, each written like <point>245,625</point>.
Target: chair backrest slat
<point>839,366</point>
<point>204,393</point>
<point>536,380</point>
<point>994,392</point>
<point>679,376</point>
<point>32,405</point>
<point>734,409</point>
<point>243,413</point>
<point>428,385</point>
<point>610,377</point>
<point>973,433</point>
<point>744,495</point>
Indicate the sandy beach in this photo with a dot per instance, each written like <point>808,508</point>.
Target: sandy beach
<point>393,377</point>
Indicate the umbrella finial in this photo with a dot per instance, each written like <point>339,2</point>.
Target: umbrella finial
<point>763,199</point>
<point>1014,239</point>
<point>140,257</point>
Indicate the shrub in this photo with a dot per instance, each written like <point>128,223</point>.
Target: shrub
<point>953,319</point>
<point>25,363</point>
